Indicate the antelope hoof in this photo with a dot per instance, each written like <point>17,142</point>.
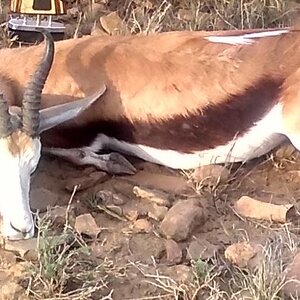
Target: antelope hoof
<point>112,163</point>
<point>115,163</point>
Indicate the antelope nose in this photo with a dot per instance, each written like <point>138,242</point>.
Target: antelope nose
<point>24,230</point>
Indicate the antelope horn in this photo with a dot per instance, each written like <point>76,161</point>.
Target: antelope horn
<point>5,122</point>
<point>33,92</point>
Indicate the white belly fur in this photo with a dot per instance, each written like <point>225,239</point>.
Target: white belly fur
<point>260,139</point>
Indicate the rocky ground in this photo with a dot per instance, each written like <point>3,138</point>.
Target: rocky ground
<point>219,232</point>
<point>160,234</point>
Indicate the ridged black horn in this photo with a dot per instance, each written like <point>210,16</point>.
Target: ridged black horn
<point>5,122</point>
<point>33,91</point>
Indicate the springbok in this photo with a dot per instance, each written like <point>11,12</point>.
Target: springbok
<point>179,99</point>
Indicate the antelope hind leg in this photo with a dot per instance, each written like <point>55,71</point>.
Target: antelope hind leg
<point>112,163</point>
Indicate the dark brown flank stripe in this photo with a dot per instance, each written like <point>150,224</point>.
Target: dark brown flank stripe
<point>216,125</point>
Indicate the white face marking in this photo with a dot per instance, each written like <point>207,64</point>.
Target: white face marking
<point>245,39</point>
<point>17,166</point>
<point>15,175</point>
<point>261,138</point>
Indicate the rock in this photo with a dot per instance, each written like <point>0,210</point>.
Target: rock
<point>7,258</point>
<point>84,183</point>
<point>174,253</point>
<point>110,198</point>
<point>201,249</point>
<point>180,273</point>
<point>19,270</point>
<point>86,224</point>
<point>113,24</point>
<point>142,225</point>
<point>145,246</point>
<point>4,276</point>
<point>211,174</point>
<point>158,197</point>
<point>157,212</point>
<point>26,249</point>
<point>42,198</point>
<point>292,285</point>
<point>240,253</point>
<point>252,208</point>
<point>12,291</point>
<point>131,215</point>
<point>170,184</point>
<point>9,279</point>
<point>181,219</point>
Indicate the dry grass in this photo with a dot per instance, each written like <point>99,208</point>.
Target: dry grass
<point>216,280</point>
<point>149,16</point>
<point>63,269</point>
<point>156,16</point>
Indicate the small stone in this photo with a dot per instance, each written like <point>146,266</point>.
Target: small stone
<point>170,184</point>
<point>86,224</point>
<point>7,258</point>
<point>131,215</point>
<point>252,208</point>
<point>42,198</point>
<point>12,290</point>
<point>292,286</point>
<point>174,253</point>
<point>142,225</point>
<point>110,198</point>
<point>157,212</point>
<point>26,249</point>
<point>84,183</point>
<point>144,247</point>
<point>158,197</point>
<point>211,174</point>
<point>113,24</point>
<point>19,270</point>
<point>180,273</point>
<point>201,249</point>
<point>240,253</point>
<point>181,219</point>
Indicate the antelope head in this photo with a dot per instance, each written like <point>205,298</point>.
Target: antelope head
<point>20,145</point>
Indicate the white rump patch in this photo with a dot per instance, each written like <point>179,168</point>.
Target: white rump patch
<point>245,39</point>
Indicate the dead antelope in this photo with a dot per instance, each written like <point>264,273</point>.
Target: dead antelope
<point>180,99</point>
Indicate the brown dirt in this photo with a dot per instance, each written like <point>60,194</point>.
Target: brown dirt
<point>261,179</point>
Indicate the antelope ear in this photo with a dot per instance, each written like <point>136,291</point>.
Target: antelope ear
<point>55,115</point>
